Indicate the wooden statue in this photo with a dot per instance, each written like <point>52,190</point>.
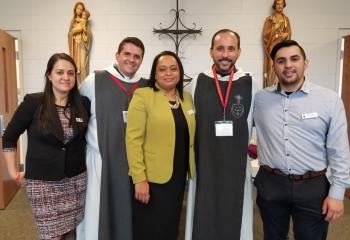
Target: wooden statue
<point>276,29</point>
<point>79,40</point>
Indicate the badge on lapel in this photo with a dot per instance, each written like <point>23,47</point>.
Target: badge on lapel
<point>80,120</point>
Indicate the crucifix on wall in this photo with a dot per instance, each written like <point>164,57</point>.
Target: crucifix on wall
<point>177,31</point>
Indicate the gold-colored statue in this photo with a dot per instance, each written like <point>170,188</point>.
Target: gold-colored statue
<point>79,40</point>
<point>276,29</point>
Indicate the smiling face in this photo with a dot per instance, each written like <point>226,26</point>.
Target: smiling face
<point>62,78</point>
<point>225,52</point>
<point>167,73</point>
<point>289,66</point>
<point>129,59</point>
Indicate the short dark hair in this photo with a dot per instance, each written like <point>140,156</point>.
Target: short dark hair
<point>274,4</point>
<point>152,80</point>
<point>284,44</point>
<point>224,31</point>
<point>133,40</point>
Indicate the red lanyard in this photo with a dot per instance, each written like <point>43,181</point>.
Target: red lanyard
<point>218,88</point>
<point>117,81</point>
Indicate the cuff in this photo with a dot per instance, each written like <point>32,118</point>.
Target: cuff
<point>139,178</point>
<point>336,192</point>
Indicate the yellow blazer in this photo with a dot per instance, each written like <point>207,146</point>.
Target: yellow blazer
<point>150,135</point>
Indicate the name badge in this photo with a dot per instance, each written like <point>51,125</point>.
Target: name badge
<point>79,119</point>
<point>190,112</point>
<point>125,116</point>
<point>309,115</point>
<point>223,128</point>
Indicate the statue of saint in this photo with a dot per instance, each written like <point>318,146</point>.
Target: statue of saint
<point>276,29</point>
<point>79,39</point>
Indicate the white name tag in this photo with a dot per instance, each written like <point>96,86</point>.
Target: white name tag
<point>190,112</point>
<point>78,119</point>
<point>125,116</point>
<point>309,115</point>
<point>223,128</point>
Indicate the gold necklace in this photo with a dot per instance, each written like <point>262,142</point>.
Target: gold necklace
<point>176,104</point>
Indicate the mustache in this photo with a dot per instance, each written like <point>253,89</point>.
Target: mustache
<point>286,71</point>
<point>225,59</point>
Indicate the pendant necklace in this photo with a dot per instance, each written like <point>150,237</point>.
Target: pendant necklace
<point>174,105</point>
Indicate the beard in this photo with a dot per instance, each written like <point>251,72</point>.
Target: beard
<point>226,70</point>
<point>286,82</point>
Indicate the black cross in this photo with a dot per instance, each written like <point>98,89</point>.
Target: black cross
<point>176,34</point>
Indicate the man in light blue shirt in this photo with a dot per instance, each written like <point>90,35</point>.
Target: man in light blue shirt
<point>301,131</point>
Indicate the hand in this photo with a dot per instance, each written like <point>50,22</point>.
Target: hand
<point>334,208</point>
<point>17,177</point>
<point>142,192</point>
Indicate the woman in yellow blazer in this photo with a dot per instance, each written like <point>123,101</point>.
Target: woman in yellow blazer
<point>159,141</point>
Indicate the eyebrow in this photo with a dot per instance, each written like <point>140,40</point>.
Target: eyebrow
<point>162,65</point>
<point>61,69</point>
<point>293,56</point>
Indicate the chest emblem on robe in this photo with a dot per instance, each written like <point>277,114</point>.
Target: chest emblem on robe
<point>237,109</point>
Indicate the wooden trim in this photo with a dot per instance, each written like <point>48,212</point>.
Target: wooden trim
<point>345,94</point>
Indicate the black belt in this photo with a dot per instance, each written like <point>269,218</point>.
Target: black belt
<point>305,176</point>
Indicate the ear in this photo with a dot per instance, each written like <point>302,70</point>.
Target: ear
<point>211,52</point>
<point>306,63</point>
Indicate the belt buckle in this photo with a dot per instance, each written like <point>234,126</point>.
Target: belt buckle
<point>293,177</point>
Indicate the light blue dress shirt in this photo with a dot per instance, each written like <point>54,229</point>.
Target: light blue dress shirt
<point>304,131</point>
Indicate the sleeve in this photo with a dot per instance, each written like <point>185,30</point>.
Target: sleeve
<point>337,145</point>
<point>20,121</point>
<point>135,137</point>
<point>255,87</point>
<point>87,87</point>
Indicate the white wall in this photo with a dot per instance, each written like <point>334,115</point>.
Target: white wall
<point>43,27</point>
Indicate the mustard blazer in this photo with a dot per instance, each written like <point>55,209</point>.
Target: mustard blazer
<point>150,135</point>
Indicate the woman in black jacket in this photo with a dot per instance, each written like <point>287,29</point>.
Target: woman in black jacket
<point>56,122</point>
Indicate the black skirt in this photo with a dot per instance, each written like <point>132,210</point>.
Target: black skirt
<point>160,218</point>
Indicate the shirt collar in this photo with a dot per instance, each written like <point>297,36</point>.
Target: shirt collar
<point>113,70</point>
<point>238,74</point>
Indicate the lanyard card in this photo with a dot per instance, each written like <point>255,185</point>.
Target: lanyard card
<point>223,128</point>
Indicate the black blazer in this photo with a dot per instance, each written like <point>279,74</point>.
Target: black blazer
<point>48,158</point>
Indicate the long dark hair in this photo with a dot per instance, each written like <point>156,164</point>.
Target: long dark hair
<point>75,103</point>
<point>152,80</point>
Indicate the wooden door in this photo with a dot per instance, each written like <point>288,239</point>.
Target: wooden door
<point>345,93</point>
<point>8,104</point>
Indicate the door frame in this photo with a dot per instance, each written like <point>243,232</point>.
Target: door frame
<point>8,186</point>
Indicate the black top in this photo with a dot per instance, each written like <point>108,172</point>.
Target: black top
<point>182,139</point>
<point>48,156</point>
